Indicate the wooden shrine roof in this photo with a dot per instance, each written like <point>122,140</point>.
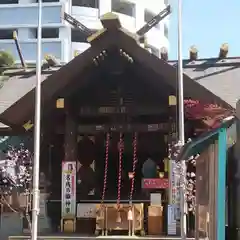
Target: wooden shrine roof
<point>17,93</point>
<point>220,76</point>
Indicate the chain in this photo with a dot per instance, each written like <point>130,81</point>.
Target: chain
<point>135,160</point>
<point>120,171</point>
<point>105,168</point>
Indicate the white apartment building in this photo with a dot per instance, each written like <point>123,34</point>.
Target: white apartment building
<point>61,39</point>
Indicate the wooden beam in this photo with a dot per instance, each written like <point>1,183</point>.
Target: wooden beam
<point>91,129</point>
<point>131,110</point>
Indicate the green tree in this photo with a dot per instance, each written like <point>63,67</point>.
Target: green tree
<point>6,59</point>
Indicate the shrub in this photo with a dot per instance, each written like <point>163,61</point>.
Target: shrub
<point>6,59</point>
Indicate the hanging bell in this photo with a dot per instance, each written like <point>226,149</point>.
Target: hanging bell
<point>118,220</point>
<point>130,215</point>
<point>101,217</point>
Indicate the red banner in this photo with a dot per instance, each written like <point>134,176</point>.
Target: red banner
<point>155,183</point>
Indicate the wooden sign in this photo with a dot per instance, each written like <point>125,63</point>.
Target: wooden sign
<point>68,189</point>
<point>155,183</point>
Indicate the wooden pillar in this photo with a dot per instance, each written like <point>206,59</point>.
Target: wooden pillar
<point>69,172</point>
<point>70,137</point>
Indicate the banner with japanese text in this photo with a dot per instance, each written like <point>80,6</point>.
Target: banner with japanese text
<point>68,189</point>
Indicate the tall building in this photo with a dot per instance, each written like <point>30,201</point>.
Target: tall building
<point>61,39</point>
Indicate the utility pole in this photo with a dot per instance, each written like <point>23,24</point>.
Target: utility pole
<point>37,128</point>
<point>181,125</point>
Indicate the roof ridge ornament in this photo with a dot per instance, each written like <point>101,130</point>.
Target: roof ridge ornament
<point>109,16</point>
<point>223,51</point>
<point>193,53</point>
<point>110,21</point>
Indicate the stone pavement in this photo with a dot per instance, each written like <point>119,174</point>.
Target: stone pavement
<point>60,237</point>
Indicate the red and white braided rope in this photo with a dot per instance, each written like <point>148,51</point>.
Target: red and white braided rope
<point>105,168</point>
<point>120,170</point>
<point>135,160</point>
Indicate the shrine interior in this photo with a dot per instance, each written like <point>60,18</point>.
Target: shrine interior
<point>94,154</point>
<point>90,181</point>
<point>119,100</point>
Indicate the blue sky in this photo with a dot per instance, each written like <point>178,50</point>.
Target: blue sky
<point>206,24</point>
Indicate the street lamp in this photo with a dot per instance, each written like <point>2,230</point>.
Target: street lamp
<point>181,127</point>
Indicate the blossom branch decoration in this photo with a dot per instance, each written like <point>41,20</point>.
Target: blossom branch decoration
<point>188,181</point>
<point>16,178</point>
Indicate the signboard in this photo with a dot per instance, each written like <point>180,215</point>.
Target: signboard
<point>86,210</point>
<point>174,193</point>
<point>155,183</point>
<point>174,184</point>
<point>161,127</point>
<point>155,199</point>
<point>172,223</point>
<point>68,189</point>
<point>172,197</point>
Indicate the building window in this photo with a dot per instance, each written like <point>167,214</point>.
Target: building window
<point>8,2</point>
<point>86,3</point>
<point>165,30</point>
<point>123,7</point>
<point>6,33</point>
<point>50,33</point>
<point>78,36</point>
<point>148,16</point>
<point>46,33</point>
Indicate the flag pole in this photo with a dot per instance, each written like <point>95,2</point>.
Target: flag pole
<point>181,124</point>
<point>37,128</point>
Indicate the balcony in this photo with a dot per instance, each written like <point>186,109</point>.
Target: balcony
<point>26,15</point>
<point>90,18</point>
<point>85,12</point>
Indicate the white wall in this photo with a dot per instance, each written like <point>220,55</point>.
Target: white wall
<point>52,17</point>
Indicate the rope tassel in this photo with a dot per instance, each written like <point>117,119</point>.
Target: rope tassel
<point>119,177</point>
<point>135,160</point>
<point>105,174</point>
